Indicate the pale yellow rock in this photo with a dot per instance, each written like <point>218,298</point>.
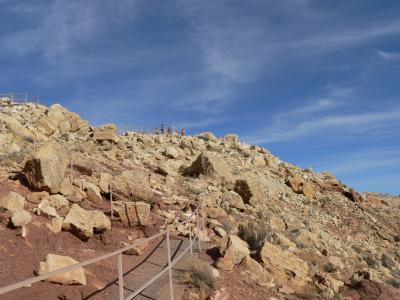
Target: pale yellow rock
<point>20,218</point>
<point>45,169</point>
<point>282,263</point>
<point>55,262</point>
<point>234,248</point>
<point>12,201</point>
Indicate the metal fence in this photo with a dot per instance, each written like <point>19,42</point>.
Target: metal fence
<point>20,98</point>
<point>192,239</point>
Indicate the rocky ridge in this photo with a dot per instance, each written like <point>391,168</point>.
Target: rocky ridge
<point>323,238</point>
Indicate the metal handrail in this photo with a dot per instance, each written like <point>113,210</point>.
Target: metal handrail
<point>118,252</point>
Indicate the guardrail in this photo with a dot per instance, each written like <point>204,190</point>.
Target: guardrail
<point>192,240</point>
<point>20,97</point>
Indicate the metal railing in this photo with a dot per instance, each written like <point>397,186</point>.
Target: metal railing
<point>193,236</point>
<point>192,240</point>
<point>20,98</point>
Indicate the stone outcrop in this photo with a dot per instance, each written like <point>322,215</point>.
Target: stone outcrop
<point>55,262</point>
<point>45,169</point>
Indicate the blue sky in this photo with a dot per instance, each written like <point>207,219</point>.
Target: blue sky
<point>316,82</point>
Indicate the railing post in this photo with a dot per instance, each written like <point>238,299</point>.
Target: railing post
<point>190,241</point>
<point>120,278</point>
<point>202,216</point>
<point>198,228</point>
<point>169,268</point>
<point>111,199</point>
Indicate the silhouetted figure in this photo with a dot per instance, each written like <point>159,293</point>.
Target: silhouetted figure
<point>162,129</point>
<point>183,132</point>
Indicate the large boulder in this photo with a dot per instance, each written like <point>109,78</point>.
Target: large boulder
<point>55,262</point>
<point>45,169</point>
<point>209,164</point>
<point>233,248</point>
<point>133,185</point>
<point>107,132</point>
<point>285,266</point>
<point>12,201</point>
<point>84,223</point>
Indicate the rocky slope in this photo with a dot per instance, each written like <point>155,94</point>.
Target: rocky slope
<point>322,239</point>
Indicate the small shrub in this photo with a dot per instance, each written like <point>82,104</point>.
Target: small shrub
<point>229,227</point>
<point>200,274</point>
<point>254,234</point>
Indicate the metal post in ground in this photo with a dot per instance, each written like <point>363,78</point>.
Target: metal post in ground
<point>171,291</point>
<point>190,241</point>
<point>198,228</point>
<point>120,278</point>
<point>111,199</point>
<point>202,216</point>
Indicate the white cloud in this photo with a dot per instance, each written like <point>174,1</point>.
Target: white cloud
<point>389,55</point>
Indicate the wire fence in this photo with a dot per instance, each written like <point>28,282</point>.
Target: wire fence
<point>19,98</point>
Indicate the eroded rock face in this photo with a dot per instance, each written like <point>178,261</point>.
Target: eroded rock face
<point>84,223</point>
<point>45,169</point>
<point>133,185</point>
<point>54,262</point>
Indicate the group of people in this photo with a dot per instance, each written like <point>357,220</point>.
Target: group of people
<point>169,130</point>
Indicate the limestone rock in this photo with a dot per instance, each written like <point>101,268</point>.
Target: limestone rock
<point>250,191</point>
<point>55,262</point>
<point>207,136</point>
<point>284,266</point>
<point>104,182</point>
<point>234,248</point>
<point>230,138</point>
<point>83,222</point>
<point>105,132</point>
<point>233,199</point>
<point>20,218</point>
<point>132,213</point>
<point>171,152</point>
<point>93,193</point>
<point>55,224</point>
<point>45,169</point>
<point>134,184</point>
<point>209,164</point>
<point>224,263</point>
<point>12,201</point>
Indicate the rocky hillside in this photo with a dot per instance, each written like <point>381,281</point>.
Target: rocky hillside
<point>282,230</point>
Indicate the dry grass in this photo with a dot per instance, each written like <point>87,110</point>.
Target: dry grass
<point>200,274</point>
<point>254,234</point>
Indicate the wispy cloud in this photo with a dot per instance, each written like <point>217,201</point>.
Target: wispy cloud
<point>389,55</point>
